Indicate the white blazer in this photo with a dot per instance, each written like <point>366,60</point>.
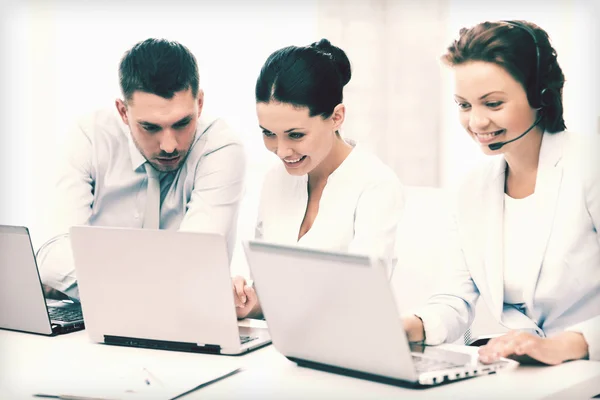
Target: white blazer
<point>562,284</point>
<point>359,209</point>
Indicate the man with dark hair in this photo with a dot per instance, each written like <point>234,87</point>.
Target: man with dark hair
<point>154,162</point>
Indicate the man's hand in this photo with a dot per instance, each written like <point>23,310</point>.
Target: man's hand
<point>53,294</point>
<point>413,325</point>
<point>244,297</point>
<point>527,348</point>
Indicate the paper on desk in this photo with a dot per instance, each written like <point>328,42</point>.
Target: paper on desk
<point>135,383</point>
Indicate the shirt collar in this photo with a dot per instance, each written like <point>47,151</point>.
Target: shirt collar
<point>303,179</point>
<point>137,159</point>
<point>347,163</point>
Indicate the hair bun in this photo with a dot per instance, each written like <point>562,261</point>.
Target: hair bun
<point>338,56</point>
<point>323,45</point>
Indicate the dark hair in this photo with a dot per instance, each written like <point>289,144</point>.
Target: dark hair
<point>312,76</point>
<point>510,45</point>
<point>160,67</point>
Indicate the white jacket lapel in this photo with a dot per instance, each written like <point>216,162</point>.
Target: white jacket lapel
<point>493,207</point>
<point>547,186</point>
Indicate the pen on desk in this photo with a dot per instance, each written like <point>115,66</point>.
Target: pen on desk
<point>205,384</point>
<point>150,377</point>
<point>68,397</point>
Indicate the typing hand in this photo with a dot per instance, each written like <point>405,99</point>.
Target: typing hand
<point>413,325</point>
<point>531,349</point>
<point>244,297</point>
<point>53,294</point>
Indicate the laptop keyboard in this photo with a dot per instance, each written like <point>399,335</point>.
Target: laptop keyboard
<point>65,314</point>
<point>245,339</point>
<point>426,364</point>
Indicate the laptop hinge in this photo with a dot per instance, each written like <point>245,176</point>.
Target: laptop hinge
<point>162,344</point>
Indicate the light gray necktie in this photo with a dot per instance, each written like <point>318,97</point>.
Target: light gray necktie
<point>152,213</point>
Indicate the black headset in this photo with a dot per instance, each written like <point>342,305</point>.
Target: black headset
<point>537,100</point>
<point>538,93</point>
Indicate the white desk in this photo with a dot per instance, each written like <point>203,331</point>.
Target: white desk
<point>27,361</point>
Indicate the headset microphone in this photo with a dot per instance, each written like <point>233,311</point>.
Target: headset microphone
<point>537,93</point>
<point>498,145</point>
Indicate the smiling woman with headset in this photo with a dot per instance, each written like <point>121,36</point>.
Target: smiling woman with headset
<point>526,234</point>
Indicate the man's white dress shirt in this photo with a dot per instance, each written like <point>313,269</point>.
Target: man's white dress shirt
<point>103,182</point>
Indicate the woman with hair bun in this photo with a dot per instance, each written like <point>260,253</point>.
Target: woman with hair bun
<point>327,192</point>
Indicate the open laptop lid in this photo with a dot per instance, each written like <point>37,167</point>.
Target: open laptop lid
<point>22,303</point>
<point>330,308</point>
<point>155,284</point>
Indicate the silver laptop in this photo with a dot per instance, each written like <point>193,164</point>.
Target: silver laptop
<point>336,312</point>
<point>159,289</point>
<point>22,303</point>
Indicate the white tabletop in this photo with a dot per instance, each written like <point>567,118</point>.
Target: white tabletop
<point>29,362</point>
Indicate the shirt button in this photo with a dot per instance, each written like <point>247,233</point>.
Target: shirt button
<point>136,216</point>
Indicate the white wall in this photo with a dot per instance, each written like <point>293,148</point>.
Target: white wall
<point>15,156</point>
<point>392,100</point>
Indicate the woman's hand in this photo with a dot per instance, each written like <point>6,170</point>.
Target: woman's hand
<point>244,297</point>
<point>524,347</point>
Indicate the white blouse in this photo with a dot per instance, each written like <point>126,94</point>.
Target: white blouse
<point>517,245</point>
<point>359,209</point>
